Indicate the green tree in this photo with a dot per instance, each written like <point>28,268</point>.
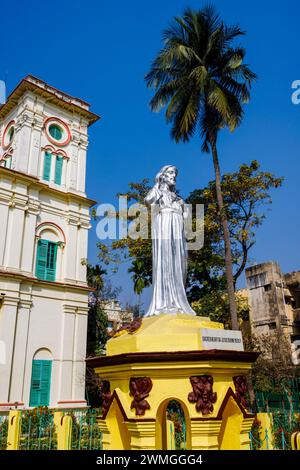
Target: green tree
<point>201,77</point>
<point>97,318</point>
<point>246,193</point>
<point>94,277</point>
<point>96,330</point>
<point>138,251</point>
<point>273,371</point>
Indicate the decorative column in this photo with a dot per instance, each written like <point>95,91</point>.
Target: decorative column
<point>79,355</point>
<point>66,355</point>
<point>70,255</point>
<point>73,164</point>
<point>14,429</point>
<point>23,137</point>
<point>142,434</point>
<point>37,128</point>
<point>13,248</point>
<point>244,435</point>
<point>106,434</point>
<point>82,247</point>
<point>20,352</point>
<point>7,335</point>
<point>63,427</point>
<point>265,430</point>
<point>83,143</point>
<point>28,248</point>
<point>4,212</point>
<point>64,172</point>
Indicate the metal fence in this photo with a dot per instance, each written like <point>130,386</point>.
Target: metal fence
<point>85,431</point>
<point>278,437</point>
<point>37,430</point>
<point>3,430</point>
<point>269,402</point>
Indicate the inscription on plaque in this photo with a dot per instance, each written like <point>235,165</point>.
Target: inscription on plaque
<point>221,339</point>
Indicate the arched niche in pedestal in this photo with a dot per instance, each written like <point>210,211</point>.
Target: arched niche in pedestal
<point>161,442</point>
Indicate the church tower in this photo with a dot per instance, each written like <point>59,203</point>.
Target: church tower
<point>44,223</point>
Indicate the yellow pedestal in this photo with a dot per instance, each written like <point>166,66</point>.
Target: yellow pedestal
<point>153,365</point>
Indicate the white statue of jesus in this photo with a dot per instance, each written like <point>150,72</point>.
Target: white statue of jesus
<point>169,254</point>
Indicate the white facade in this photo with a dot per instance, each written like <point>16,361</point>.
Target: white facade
<point>42,319</point>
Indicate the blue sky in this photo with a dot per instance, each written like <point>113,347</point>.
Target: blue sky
<point>100,51</point>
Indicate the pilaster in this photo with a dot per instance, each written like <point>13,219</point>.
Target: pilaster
<point>79,353</point>
<point>106,434</point>
<point>73,173</point>
<point>82,251</point>
<point>67,352</point>
<point>23,139</point>
<point>7,335</point>
<point>71,249</point>
<point>20,351</point>
<point>244,435</point>
<point>28,245</point>
<point>204,434</point>
<point>35,153</point>
<point>142,434</point>
<point>81,165</point>
<point>13,248</point>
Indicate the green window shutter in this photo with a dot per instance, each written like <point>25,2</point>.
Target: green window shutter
<point>41,259</point>
<point>58,169</point>
<point>55,132</point>
<point>51,261</point>
<point>45,383</point>
<point>35,384</point>
<point>47,166</point>
<point>40,383</point>
<point>46,260</point>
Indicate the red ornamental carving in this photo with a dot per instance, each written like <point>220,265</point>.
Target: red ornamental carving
<point>203,394</point>
<point>135,325</point>
<point>240,384</point>
<point>140,388</point>
<point>131,327</point>
<point>105,395</point>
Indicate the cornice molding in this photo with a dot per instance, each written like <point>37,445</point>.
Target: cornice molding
<point>34,181</point>
<point>61,285</point>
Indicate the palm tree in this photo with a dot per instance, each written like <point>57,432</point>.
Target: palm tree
<point>201,78</point>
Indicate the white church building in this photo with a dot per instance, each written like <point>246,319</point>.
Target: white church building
<point>44,223</point>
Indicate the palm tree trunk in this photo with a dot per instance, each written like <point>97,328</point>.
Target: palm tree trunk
<point>226,235</point>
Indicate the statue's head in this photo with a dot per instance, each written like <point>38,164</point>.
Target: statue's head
<point>167,175</point>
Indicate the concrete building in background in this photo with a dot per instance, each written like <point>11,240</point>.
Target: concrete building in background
<point>116,317</point>
<point>44,220</point>
<point>274,300</point>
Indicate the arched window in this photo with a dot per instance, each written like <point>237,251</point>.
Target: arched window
<point>41,378</point>
<point>46,260</point>
<point>51,157</point>
<point>58,169</point>
<point>47,166</point>
<point>50,244</point>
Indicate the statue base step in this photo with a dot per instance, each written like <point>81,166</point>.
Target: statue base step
<point>163,332</point>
